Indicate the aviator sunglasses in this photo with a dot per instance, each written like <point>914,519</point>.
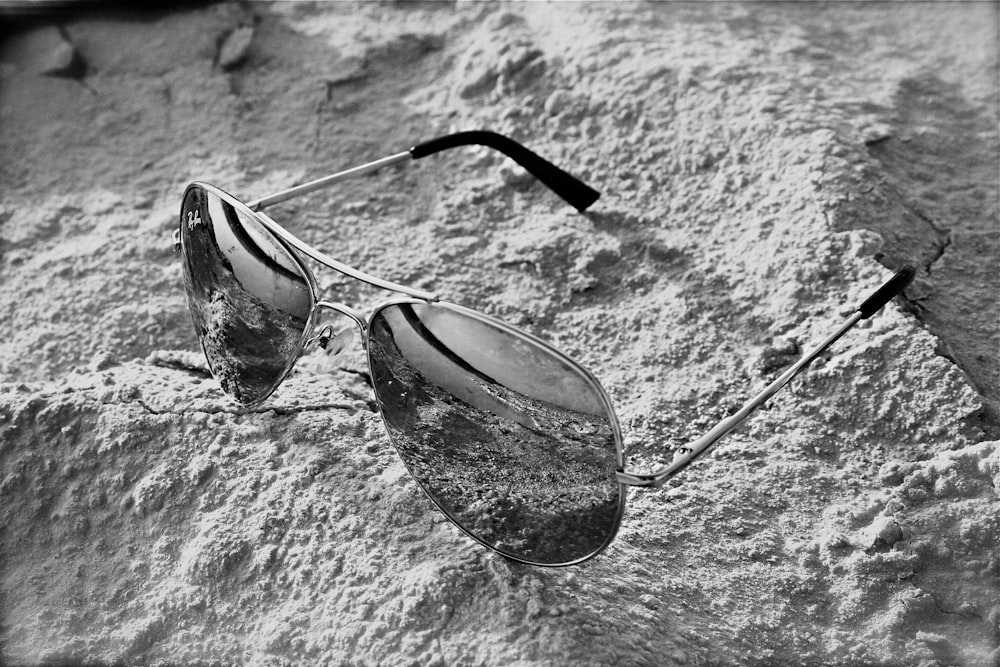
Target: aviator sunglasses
<point>515,442</point>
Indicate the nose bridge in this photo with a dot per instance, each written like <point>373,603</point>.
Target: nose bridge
<point>348,312</point>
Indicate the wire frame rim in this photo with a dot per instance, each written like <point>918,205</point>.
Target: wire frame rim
<point>300,264</point>
<point>530,338</point>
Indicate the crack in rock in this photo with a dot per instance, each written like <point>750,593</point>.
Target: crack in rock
<point>277,410</point>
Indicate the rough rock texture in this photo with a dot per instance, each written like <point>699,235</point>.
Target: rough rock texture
<point>762,169</point>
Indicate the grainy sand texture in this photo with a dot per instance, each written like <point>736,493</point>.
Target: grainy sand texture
<point>763,167</point>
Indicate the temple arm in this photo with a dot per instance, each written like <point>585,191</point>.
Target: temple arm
<point>577,193</point>
<point>690,452</point>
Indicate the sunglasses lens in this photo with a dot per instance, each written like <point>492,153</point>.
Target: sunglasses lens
<point>516,445</point>
<point>249,297</point>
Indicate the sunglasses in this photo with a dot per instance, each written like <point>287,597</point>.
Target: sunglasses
<point>515,442</point>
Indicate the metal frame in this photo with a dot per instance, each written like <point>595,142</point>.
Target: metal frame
<point>580,196</point>
<point>688,453</point>
<point>326,181</point>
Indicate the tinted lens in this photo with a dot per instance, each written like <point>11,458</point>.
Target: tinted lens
<point>249,297</point>
<point>513,443</point>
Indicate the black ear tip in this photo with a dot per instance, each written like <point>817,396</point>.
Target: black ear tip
<point>586,199</point>
<point>574,191</point>
<point>886,292</point>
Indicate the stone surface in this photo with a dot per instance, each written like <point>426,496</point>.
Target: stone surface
<point>761,168</point>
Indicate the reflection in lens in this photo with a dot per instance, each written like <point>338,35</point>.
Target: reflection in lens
<point>249,298</point>
<point>513,443</point>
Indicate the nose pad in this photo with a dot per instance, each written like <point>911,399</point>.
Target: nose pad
<point>333,343</point>
<point>337,336</point>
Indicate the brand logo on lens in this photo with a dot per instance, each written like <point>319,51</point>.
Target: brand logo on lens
<point>193,218</point>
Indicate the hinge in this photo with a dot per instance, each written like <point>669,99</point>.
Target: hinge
<point>635,479</point>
